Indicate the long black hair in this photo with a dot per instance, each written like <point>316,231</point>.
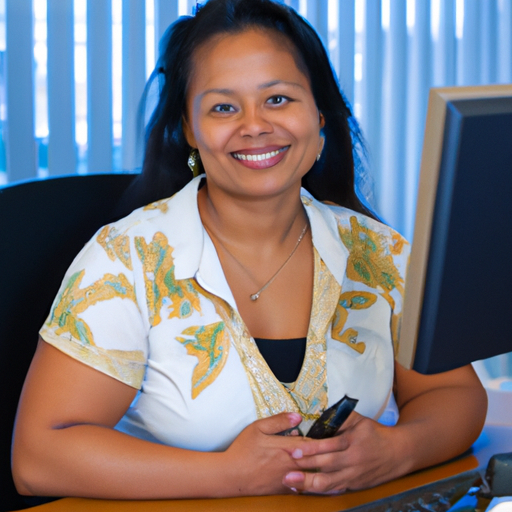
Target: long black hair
<point>165,169</point>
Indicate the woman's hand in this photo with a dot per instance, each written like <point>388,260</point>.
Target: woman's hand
<point>259,459</point>
<point>361,455</point>
<point>440,417</point>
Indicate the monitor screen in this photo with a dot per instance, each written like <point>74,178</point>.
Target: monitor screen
<point>458,294</point>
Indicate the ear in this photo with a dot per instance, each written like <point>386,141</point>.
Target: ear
<point>321,145</point>
<point>321,119</point>
<point>189,134</point>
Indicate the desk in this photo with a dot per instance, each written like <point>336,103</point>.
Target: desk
<point>494,439</point>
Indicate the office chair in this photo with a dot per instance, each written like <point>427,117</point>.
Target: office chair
<point>43,225</point>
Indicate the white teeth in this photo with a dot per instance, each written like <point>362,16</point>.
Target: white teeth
<point>257,158</point>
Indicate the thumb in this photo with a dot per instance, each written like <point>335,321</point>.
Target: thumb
<point>279,422</point>
<point>353,419</point>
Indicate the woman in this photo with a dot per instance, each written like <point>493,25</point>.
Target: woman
<point>186,335</point>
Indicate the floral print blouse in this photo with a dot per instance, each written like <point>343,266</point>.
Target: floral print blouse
<point>146,302</point>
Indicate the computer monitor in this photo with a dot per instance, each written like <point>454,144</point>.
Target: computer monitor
<point>458,293</point>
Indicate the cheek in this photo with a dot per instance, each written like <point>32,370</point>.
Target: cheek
<point>306,125</point>
<point>308,131</point>
<point>212,137</point>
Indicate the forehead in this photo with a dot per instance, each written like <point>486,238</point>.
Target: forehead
<point>256,53</point>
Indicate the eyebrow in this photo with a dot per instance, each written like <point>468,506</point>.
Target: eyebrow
<point>265,85</point>
<point>277,82</point>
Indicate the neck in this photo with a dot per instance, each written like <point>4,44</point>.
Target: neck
<point>251,221</point>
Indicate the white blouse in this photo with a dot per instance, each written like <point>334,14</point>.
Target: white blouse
<point>146,302</point>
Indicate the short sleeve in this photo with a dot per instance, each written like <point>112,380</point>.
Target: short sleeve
<point>96,317</point>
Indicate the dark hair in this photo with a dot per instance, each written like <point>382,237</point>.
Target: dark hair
<point>165,169</point>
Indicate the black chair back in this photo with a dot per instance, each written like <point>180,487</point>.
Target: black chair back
<point>43,225</point>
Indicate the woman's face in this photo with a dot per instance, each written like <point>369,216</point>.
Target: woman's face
<point>252,115</point>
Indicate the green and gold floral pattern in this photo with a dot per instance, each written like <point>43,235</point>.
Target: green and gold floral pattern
<point>210,344</point>
<point>371,262</point>
<point>348,301</point>
<point>75,300</point>
<point>116,245</point>
<point>179,297</point>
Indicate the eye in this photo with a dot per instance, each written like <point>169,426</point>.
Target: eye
<point>278,99</point>
<point>223,108</point>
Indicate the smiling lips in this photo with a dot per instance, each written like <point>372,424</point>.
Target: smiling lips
<point>260,158</point>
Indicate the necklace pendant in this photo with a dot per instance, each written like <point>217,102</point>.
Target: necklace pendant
<point>255,296</point>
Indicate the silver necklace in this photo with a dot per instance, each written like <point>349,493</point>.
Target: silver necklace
<point>256,296</point>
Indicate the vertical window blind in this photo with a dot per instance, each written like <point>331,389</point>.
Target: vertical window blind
<point>72,73</point>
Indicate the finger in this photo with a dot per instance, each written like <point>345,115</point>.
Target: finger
<point>324,463</point>
<point>312,447</point>
<point>279,422</point>
<point>353,419</point>
<point>316,483</point>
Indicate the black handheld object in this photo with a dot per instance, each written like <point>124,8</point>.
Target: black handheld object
<point>332,418</point>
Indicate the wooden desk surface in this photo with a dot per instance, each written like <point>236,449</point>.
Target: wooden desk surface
<point>493,440</point>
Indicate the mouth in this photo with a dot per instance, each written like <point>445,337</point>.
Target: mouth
<point>260,158</point>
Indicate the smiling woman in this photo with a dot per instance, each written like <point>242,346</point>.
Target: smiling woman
<point>235,305</point>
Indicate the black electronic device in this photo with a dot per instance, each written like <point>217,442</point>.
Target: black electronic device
<point>332,418</point>
<point>329,422</point>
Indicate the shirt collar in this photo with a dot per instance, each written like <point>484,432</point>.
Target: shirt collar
<point>186,232</point>
<point>326,236</point>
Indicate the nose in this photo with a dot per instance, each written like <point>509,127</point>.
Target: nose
<point>254,123</point>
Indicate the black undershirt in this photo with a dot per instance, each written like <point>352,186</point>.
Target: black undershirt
<point>284,357</point>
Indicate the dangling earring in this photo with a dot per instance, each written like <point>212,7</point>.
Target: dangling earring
<point>193,162</point>
<point>322,142</point>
